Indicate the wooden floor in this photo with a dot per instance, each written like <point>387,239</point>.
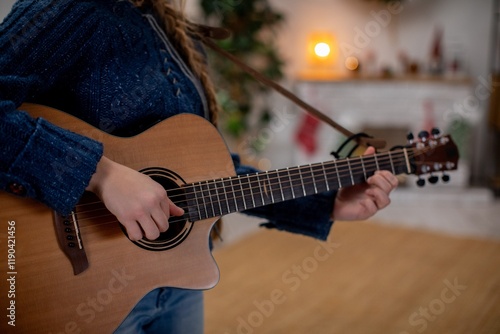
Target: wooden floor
<point>369,278</point>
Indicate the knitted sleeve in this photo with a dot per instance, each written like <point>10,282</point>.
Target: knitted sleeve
<point>39,41</point>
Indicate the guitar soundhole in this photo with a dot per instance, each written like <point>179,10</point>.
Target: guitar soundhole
<point>179,227</point>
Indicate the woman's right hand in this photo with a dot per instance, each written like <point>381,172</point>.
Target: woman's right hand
<point>139,203</point>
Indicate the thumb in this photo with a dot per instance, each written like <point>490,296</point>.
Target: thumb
<point>369,151</point>
<point>174,209</point>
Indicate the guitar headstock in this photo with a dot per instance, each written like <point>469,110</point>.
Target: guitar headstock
<point>433,154</point>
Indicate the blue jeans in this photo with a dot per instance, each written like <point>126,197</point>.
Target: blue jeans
<point>166,310</point>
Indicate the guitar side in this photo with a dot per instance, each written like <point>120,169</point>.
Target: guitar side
<point>47,296</point>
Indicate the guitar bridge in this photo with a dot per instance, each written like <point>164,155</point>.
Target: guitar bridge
<point>70,242</point>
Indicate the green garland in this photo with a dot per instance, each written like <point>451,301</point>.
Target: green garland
<point>253,24</point>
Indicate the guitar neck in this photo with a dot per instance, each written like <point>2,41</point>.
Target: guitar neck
<point>214,198</point>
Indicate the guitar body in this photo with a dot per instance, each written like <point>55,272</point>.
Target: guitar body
<point>81,274</point>
<point>44,295</point>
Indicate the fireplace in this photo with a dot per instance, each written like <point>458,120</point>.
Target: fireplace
<point>388,109</point>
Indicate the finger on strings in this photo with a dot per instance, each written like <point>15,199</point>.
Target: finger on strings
<point>160,219</point>
<point>149,227</point>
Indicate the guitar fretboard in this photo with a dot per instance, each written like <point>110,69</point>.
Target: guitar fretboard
<point>215,198</point>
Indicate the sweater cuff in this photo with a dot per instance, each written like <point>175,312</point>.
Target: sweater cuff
<point>58,161</point>
<point>309,215</point>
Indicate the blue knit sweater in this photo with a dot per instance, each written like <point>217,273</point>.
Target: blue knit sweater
<point>111,65</point>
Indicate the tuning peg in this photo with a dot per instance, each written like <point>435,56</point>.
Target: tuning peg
<point>433,179</point>
<point>445,178</point>
<point>410,138</point>
<point>420,182</point>
<point>423,135</point>
<point>435,132</point>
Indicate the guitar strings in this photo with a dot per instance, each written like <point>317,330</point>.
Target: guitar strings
<point>339,166</point>
<point>329,171</point>
<point>359,163</point>
<point>333,166</point>
<point>284,178</point>
<point>338,169</point>
<point>332,170</point>
<point>340,172</point>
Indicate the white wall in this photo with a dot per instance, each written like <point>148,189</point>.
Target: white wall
<point>5,7</point>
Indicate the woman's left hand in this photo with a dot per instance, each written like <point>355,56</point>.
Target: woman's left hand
<point>362,201</point>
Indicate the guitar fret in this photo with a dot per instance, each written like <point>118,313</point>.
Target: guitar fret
<point>359,175</point>
<point>376,161</point>
<point>326,177</point>
<point>286,183</point>
<point>203,200</point>
<point>270,188</point>
<point>296,179</point>
<point>318,176</point>
<point>313,179</point>
<point>302,182</point>
<point>338,174</point>
<point>218,198</point>
<point>196,201</point>
<point>234,194</point>
<point>306,178</point>
<point>407,160</point>
<point>254,184</point>
<point>211,200</point>
<point>363,165</point>
<point>212,195</point>
<point>242,193</point>
<point>258,196</point>
<point>225,195</point>
<point>205,196</point>
<point>260,189</point>
<point>291,182</point>
<point>392,163</point>
<point>281,187</point>
<point>350,171</point>
<point>251,191</point>
<point>399,162</point>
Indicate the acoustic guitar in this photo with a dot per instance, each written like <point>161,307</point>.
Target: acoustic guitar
<point>79,273</point>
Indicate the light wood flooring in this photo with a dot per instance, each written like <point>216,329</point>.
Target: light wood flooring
<point>368,278</point>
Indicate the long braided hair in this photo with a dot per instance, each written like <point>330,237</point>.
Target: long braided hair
<point>177,29</point>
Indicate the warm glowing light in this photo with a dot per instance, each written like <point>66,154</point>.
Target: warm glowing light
<point>322,49</point>
<point>322,56</point>
<point>351,63</point>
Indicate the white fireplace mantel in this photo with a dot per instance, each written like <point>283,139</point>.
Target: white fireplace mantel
<point>407,104</point>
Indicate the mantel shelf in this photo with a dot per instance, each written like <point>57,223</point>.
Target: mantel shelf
<point>418,78</point>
